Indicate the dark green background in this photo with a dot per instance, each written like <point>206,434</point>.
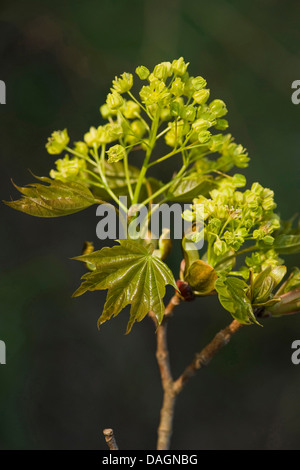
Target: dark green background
<point>64,380</point>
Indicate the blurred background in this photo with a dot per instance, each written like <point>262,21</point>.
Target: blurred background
<point>64,380</point>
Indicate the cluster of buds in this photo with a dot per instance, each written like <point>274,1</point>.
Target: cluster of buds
<point>175,99</point>
<point>57,142</point>
<point>69,169</point>
<point>232,217</point>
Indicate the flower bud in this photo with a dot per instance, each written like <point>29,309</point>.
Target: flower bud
<point>201,96</point>
<point>239,181</point>
<point>175,108</point>
<point>266,193</point>
<point>252,200</point>
<point>198,83</point>
<point>239,197</point>
<point>179,66</point>
<point>221,124</point>
<point>188,113</point>
<point>114,100</point>
<point>142,72</point>
<point>110,132</point>
<point>218,108</point>
<point>116,153</point>
<point>138,128</point>
<point>204,137</point>
<point>165,114</point>
<point>81,147</point>
<point>201,125</point>
<point>220,247</point>
<point>57,142</point>
<point>123,83</point>
<point>177,87</point>
<point>258,234</point>
<point>268,240</point>
<point>163,71</point>
<point>268,204</point>
<point>92,137</point>
<point>130,109</point>
<point>105,111</point>
<point>256,188</point>
<point>67,169</point>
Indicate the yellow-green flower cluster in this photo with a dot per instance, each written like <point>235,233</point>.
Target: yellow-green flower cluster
<point>57,142</point>
<point>103,134</point>
<point>232,217</point>
<point>170,104</point>
<point>69,169</point>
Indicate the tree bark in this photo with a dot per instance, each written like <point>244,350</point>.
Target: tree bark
<point>171,387</point>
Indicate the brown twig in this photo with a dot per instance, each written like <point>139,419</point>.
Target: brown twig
<point>172,388</point>
<point>204,357</point>
<point>110,439</point>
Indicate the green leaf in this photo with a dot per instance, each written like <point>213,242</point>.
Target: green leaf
<point>264,284</point>
<point>232,296</point>
<point>287,244</point>
<point>225,262</point>
<point>116,179</point>
<point>293,281</point>
<point>190,187</point>
<point>53,200</point>
<point>132,276</point>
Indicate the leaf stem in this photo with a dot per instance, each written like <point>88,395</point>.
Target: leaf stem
<point>140,105</point>
<point>81,155</point>
<point>103,178</point>
<point>126,171</point>
<point>166,186</point>
<point>152,139</point>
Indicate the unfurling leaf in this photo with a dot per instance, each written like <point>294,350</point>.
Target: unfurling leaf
<point>288,304</point>
<point>190,187</point>
<point>132,276</point>
<point>287,244</point>
<point>225,262</point>
<point>201,277</point>
<point>265,282</point>
<point>293,282</point>
<point>53,199</point>
<point>232,296</point>
<point>164,245</point>
<point>116,179</point>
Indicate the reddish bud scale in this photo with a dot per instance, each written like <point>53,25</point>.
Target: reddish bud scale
<point>185,291</point>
